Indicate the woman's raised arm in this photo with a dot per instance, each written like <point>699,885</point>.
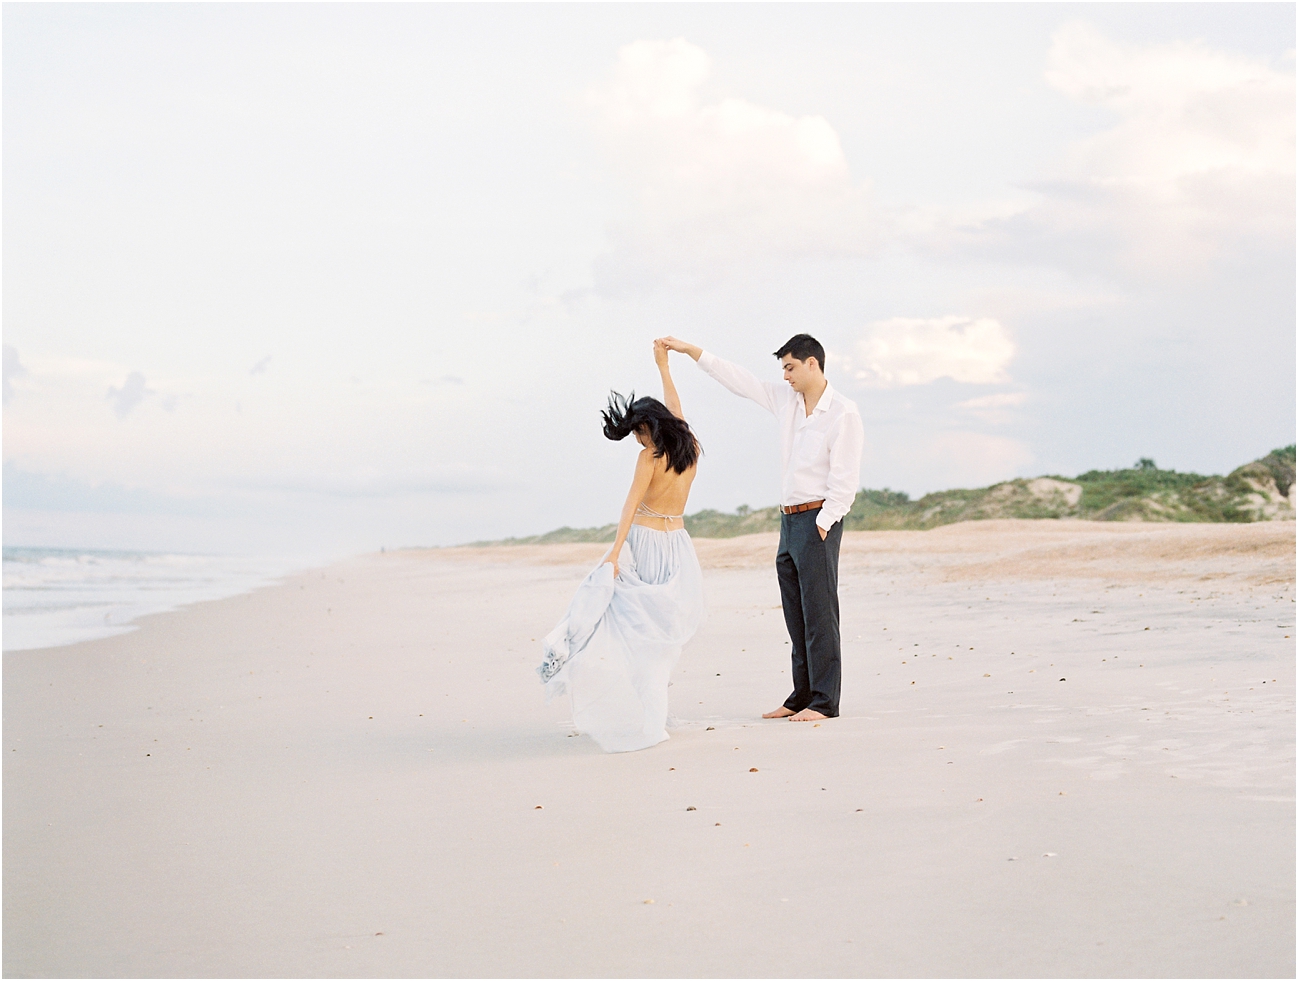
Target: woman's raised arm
<point>670,398</point>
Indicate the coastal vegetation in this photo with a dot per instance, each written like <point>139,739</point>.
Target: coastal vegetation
<point>1258,491</point>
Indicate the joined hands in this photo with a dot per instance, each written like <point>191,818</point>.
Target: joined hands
<point>670,343</point>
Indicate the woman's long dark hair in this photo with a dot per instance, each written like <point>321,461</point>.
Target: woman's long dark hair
<point>671,437</point>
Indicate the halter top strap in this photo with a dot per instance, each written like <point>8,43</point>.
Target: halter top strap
<point>649,512</point>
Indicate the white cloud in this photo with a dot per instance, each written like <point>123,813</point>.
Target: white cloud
<point>914,351</point>
<point>717,181</point>
<point>1196,161</point>
<point>13,368</point>
<point>1186,109</point>
<point>1201,156</point>
<point>130,395</point>
<point>998,400</point>
<point>995,409</point>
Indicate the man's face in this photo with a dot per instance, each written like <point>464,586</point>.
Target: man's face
<point>802,376</point>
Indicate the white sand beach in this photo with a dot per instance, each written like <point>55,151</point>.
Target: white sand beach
<point>1066,749</point>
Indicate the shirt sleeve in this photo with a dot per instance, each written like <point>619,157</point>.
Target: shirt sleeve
<point>844,469</point>
<point>741,381</point>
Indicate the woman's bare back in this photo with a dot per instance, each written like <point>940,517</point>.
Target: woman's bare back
<point>667,496</point>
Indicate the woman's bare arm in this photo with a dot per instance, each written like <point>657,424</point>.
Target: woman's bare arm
<point>644,472</point>
<point>670,398</point>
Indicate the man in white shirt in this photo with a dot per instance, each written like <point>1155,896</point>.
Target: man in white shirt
<point>820,439</point>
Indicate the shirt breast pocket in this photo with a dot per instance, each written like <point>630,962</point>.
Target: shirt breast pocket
<point>809,449</point>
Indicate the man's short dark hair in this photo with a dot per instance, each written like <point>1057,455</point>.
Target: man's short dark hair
<point>802,347</point>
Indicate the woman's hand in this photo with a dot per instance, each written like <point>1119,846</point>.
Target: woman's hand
<point>660,353</point>
<point>613,563</point>
<point>684,347</point>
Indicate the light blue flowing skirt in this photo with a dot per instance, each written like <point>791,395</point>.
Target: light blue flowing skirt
<point>614,650</point>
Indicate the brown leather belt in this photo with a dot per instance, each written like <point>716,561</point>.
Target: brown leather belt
<point>799,508</point>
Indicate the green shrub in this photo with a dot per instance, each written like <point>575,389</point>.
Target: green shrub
<point>1143,492</point>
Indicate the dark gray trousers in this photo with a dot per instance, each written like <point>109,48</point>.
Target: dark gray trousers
<point>808,572</point>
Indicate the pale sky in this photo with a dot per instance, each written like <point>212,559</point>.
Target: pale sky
<point>316,279</point>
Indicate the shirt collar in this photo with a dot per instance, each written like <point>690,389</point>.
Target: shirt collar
<point>826,397</point>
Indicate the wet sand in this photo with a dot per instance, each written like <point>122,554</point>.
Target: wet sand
<point>1066,749</point>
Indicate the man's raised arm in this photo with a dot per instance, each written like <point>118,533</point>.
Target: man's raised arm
<point>739,380</point>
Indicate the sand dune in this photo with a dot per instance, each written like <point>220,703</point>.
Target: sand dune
<point>1013,549</point>
<point>1066,750</point>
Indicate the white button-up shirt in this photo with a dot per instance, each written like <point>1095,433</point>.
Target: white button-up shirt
<point>821,452</point>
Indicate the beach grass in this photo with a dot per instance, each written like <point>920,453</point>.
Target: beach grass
<point>1256,491</point>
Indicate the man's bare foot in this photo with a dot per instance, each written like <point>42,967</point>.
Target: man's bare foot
<point>779,713</point>
<point>808,715</point>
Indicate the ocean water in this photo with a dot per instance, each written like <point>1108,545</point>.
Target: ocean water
<point>56,596</point>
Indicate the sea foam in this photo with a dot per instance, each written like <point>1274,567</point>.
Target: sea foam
<point>57,596</point>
